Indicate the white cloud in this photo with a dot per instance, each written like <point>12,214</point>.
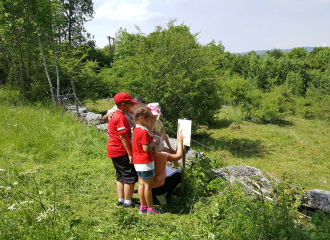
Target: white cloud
<point>324,44</point>
<point>136,10</point>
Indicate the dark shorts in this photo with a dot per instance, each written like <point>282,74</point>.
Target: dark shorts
<point>170,183</point>
<point>125,172</point>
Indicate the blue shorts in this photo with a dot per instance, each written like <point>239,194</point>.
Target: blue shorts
<point>146,174</point>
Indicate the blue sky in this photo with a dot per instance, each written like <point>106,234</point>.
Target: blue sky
<point>241,25</point>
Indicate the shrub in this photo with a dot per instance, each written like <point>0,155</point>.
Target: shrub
<point>170,67</point>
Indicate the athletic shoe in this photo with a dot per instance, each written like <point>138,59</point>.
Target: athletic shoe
<point>143,210</point>
<point>132,205</point>
<point>135,191</point>
<point>120,204</point>
<point>155,211</point>
<point>162,199</point>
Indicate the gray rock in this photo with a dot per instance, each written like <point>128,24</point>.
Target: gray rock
<point>103,127</point>
<point>173,142</point>
<point>93,119</point>
<point>247,175</point>
<point>318,199</point>
<point>82,110</point>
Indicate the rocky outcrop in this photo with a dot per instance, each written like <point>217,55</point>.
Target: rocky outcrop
<point>318,199</point>
<point>93,119</point>
<point>246,175</point>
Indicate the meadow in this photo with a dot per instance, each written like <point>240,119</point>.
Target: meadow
<point>56,181</point>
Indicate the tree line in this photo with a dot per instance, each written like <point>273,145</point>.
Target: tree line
<point>44,46</point>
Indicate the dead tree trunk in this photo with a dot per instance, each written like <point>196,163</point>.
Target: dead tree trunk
<point>48,78</point>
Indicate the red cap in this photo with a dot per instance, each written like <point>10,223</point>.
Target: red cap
<point>123,97</point>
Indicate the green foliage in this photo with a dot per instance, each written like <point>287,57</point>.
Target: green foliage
<point>296,83</point>
<point>236,90</point>
<point>170,67</point>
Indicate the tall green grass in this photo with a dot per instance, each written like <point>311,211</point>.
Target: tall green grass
<point>57,183</point>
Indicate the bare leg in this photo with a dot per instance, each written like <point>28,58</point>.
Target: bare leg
<point>148,191</point>
<point>120,189</point>
<point>128,191</point>
<point>141,193</point>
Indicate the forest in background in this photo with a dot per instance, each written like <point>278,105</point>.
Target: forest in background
<point>44,46</point>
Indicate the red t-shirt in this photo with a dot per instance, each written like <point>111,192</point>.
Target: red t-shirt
<point>141,137</point>
<point>117,125</point>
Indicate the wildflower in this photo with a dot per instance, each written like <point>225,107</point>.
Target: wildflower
<point>276,204</point>
<point>15,183</point>
<point>2,186</point>
<point>30,171</point>
<point>41,192</point>
<point>44,214</point>
<point>221,193</point>
<point>274,219</point>
<point>8,188</point>
<point>12,207</point>
<point>2,170</point>
<point>15,125</point>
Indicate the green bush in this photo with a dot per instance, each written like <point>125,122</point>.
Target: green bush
<point>170,67</point>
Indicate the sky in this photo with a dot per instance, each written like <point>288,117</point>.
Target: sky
<point>241,25</point>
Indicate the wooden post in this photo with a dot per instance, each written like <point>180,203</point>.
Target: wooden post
<point>109,43</point>
<point>183,166</point>
<point>75,99</point>
<point>113,40</point>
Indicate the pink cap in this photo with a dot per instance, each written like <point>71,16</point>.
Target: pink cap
<point>154,107</point>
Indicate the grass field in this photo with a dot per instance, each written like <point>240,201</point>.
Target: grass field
<point>298,146</point>
<point>56,182</point>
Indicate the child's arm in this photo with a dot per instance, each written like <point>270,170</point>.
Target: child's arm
<point>165,137</point>
<point>150,146</point>
<point>127,144</point>
<point>178,154</point>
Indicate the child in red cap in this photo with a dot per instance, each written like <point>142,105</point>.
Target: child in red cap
<point>120,151</point>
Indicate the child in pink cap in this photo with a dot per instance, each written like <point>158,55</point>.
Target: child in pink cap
<point>159,127</point>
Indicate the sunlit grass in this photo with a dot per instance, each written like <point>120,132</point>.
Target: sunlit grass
<point>297,146</point>
<point>63,164</point>
<point>99,106</point>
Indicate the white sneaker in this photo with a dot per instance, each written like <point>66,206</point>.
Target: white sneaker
<point>162,199</point>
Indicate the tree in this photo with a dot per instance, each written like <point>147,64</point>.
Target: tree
<point>77,12</point>
<point>296,83</point>
<point>167,66</point>
<point>235,90</point>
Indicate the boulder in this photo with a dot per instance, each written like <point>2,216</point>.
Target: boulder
<point>318,199</point>
<point>103,127</point>
<point>248,176</point>
<point>93,119</point>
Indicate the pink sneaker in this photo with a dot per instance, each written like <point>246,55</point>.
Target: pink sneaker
<point>155,211</point>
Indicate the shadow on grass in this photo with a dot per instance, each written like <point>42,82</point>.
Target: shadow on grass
<point>280,123</point>
<point>238,147</point>
<point>220,123</point>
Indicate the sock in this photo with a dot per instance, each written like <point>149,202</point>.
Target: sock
<point>121,200</point>
<point>144,207</point>
<point>151,209</point>
<point>128,202</point>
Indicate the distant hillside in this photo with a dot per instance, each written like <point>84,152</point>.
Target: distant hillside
<point>259,52</point>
